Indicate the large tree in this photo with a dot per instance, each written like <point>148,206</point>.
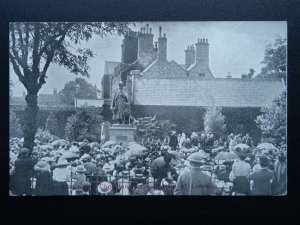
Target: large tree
<point>34,46</point>
<point>275,60</point>
<point>273,120</point>
<point>78,88</point>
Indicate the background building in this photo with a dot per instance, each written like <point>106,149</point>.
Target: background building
<point>181,92</point>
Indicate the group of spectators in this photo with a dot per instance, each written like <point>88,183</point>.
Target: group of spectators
<point>178,165</point>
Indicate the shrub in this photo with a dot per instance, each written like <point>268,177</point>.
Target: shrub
<point>214,121</point>
<point>85,123</point>
<point>52,124</point>
<point>15,128</point>
<point>44,136</point>
<point>273,119</point>
<point>151,127</point>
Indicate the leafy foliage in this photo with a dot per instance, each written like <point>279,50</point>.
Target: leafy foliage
<point>85,123</point>
<point>44,136</point>
<point>214,121</point>
<point>273,120</point>
<point>34,46</point>
<point>52,124</point>
<point>151,127</point>
<point>250,73</point>
<point>275,60</point>
<point>78,88</point>
<point>15,128</point>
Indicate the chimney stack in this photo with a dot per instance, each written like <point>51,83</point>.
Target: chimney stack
<point>202,52</point>
<point>189,56</point>
<point>228,76</point>
<point>162,47</point>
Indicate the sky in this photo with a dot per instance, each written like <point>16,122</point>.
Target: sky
<point>234,47</point>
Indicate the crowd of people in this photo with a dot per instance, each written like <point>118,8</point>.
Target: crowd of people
<point>194,164</point>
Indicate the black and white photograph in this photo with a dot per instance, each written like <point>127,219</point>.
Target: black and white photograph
<point>166,108</point>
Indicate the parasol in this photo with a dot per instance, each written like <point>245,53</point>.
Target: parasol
<point>69,155</point>
<point>135,149</point>
<point>132,142</point>
<point>226,156</point>
<point>175,154</point>
<point>266,146</point>
<point>107,149</point>
<point>242,146</point>
<point>109,143</point>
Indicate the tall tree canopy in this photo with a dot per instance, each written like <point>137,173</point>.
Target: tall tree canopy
<point>275,60</point>
<point>78,88</point>
<point>273,119</point>
<point>34,46</point>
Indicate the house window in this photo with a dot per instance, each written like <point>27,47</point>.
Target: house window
<point>201,74</point>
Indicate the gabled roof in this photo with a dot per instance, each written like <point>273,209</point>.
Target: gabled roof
<point>109,67</point>
<point>164,69</point>
<point>196,69</point>
<point>234,92</point>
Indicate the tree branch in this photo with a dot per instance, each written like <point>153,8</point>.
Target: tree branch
<point>17,70</point>
<point>35,56</point>
<point>26,50</point>
<point>18,28</point>
<point>49,59</point>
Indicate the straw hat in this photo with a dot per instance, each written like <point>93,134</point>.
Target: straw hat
<point>80,169</point>
<point>42,166</point>
<point>197,156</point>
<point>104,187</point>
<point>62,162</point>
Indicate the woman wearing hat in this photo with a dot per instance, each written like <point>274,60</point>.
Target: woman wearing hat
<point>194,181</point>
<point>240,171</point>
<point>60,177</point>
<point>23,171</point>
<point>79,178</point>
<point>44,182</point>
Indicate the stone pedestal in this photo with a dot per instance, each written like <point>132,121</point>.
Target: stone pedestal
<point>122,134</point>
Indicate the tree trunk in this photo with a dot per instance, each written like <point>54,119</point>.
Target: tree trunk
<point>30,123</point>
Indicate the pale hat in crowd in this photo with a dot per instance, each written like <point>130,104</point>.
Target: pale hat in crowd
<point>42,166</point>
<point>86,157</point>
<point>104,187</point>
<point>197,156</point>
<point>108,167</point>
<point>47,159</point>
<point>62,162</point>
<point>80,169</point>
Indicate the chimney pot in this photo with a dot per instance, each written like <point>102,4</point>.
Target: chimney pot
<point>147,25</point>
<point>164,35</point>
<point>159,31</point>
<point>150,30</point>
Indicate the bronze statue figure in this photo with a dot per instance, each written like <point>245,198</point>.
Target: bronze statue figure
<point>120,106</point>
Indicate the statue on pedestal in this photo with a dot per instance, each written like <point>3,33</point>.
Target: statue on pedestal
<point>120,106</point>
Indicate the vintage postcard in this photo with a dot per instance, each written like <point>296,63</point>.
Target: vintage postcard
<point>148,108</point>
